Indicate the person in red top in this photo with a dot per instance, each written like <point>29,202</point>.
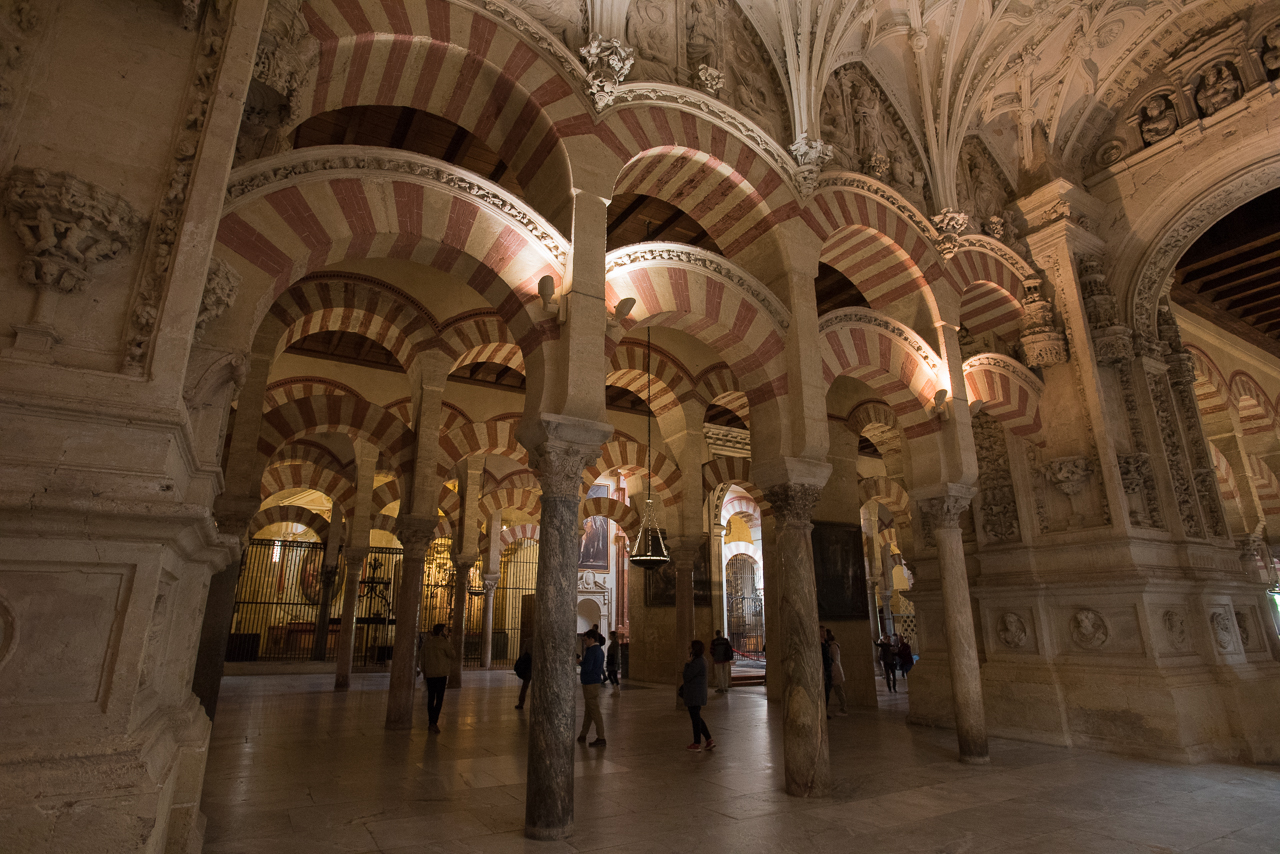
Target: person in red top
<point>722,658</point>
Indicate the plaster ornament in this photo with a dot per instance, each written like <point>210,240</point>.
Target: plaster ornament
<point>650,31</point>
<point>67,226</point>
<point>1089,629</point>
<point>1242,625</point>
<point>590,582</point>
<point>998,500</point>
<point>608,62</point>
<point>219,293</point>
<point>190,14</point>
<point>1175,626</point>
<point>1069,474</point>
<point>1271,52</point>
<point>982,191</point>
<point>1013,631</point>
<point>1043,342</point>
<point>710,80</point>
<point>1108,33</point>
<point>285,55</point>
<point>1219,87</point>
<point>810,155</point>
<point>1159,121</point>
<point>1221,625</point>
<point>1110,153</point>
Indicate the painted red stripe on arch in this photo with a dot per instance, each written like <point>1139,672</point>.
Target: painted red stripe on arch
<point>349,193</point>
<point>397,16</point>
<point>356,69</point>
<point>324,70</point>
<point>393,71</point>
<point>462,218</point>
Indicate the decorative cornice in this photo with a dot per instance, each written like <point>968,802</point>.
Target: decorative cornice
<point>257,178</point>
<point>880,321</point>
<point>679,253</point>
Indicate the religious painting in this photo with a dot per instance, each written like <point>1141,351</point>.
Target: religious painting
<point>595,539</point>
<point>839,571</point>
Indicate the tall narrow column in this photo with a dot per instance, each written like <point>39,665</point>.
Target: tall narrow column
<point>466,545</point>
<point>559,464</point>
<point>328,582</point>
<point>357,550</point>
<point>416,526</point>
<point>461,577</point>
<point>492,574</point>
<point>942,514</point>
<point>806,760</point>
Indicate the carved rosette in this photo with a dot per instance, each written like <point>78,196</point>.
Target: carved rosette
<point>559,467</point>
<point>793,503</point>
<point>608,62</point>
<point>67,226</point>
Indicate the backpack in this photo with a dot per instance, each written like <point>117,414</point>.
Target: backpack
<point>524,665</point>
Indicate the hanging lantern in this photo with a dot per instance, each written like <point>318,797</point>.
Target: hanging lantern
<point>650,551</point>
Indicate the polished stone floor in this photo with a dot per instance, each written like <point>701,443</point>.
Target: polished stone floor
<point>295,768</point>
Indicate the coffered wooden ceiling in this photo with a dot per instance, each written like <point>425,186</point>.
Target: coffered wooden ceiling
<point>1231,275</point>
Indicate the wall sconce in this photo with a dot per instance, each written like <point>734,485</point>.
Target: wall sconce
<point>551,301</point>
<point>975,406</point>
<point>621,310</point>
<point>939,406</point>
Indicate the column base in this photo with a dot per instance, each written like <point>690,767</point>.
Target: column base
<point>548,834</point>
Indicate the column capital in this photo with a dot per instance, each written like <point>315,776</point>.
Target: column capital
<point>415,532</point>
<point>943,511</point>
<point>793,503</point>
<point>560,447</point>
<point>490,583</point>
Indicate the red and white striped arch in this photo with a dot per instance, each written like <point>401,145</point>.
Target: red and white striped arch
<point>309,451</point>
<point>1227,486</point>
<point>452,416</point>
<point>519,479</point>
<point>329,413</point>
<point>623,514</point>
<point>716,309</point>
<point>289,514</point>
<point>982,259</point>
<point>737,504</point>
<point>488,437</point>
<point>735,471</point>
<point>1257,415</point>
<point>480,336</point>
<point>461,64</point>
<point>1213,392</point>
<point>716,381</point>
<point>710,187</point>
<point>525,502</point>
<point>1010,391</point>
<point>295,388</point>
<point>302,474</point>
<point>628,457</point>
<point>883,270</point>
<point>673,384</point>
<point>886,355</point>
<point>386,495</point>
<point>518,532</point>
<point>1266,485</point>
<point>360,304</point>
<point>887,491</point>
<point>280,232</point>
<point>987,307</point>
<point>450,506</point>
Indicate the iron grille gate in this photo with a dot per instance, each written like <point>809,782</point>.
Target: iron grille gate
<point>746,605</point>
<point>278,595</point>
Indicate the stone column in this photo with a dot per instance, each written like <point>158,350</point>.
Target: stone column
<point>942,516</point>
<point>720,588</point>
<point>328,581</point>
<point>559,461</point>
<point>357,550</point>
<point>416,534</point>
<point>461,576</point>
<point>774,680</point>
<point>684,555</point>
<point>486,628</point>
<point>806,762</point>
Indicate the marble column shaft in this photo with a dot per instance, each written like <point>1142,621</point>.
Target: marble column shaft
<point>554,689</point>
<point>461,578</point>
<point>357,550</point>
<point>486,622</point>
<point>328,584</point>
<point>806,759</point>
<point>962,645</point>
<point>416,535</point>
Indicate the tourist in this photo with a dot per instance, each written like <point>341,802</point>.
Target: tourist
<point>906,659</point>
<point>524,669</point>
<point>435,660</point>
<point>612,661</point>
<point>888,659</point>
<point>591,676</point>
<point>722,658</point>
<point>693,690</point>
<point>837,673</point>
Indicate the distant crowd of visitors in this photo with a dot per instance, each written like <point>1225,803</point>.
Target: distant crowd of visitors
<point>598,667</point>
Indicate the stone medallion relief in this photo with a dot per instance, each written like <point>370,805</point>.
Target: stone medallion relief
<point>1242,625</point>
<point>1089,629</point>
<point>1012,631</point>
<point>867,135</point>
<point>708,45</point>
<point>1175,628</point>
<point>1220,623</point>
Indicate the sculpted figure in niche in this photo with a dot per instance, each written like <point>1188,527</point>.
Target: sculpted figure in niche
<point>981,193</point>
<point>751,90</point>
<point>1089,629</point>
<point>1014,632</point>
<point>1158,119</point>
<point>836,126</point>
<point>868,122</point>
<point>1218,88</point>
<point>703,43</point>
<point>1271,52</point>
<point>649,29</point>
<point>562,17</point>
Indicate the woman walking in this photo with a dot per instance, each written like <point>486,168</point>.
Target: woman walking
<point>837,673</point>
<point>694,693</point>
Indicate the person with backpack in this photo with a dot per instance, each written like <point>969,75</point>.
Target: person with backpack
<point>524,669</point>
<point>722,660</point>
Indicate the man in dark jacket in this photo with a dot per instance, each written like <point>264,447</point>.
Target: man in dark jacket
<point>591,676</point>
<point>826,664</point>
<point>722,658</point>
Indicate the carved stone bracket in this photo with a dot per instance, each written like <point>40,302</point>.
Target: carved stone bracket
<point>710,80</point>
<point>286,54</point>
<point>1043,342</point>
<point>608,62</point>
<point>950,224</point>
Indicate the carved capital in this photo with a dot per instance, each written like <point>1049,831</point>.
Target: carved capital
<point>559,467</point>
<point>67,226</point>
<point>793,503</point>
<point>943,512</point>
<point>415,533</point>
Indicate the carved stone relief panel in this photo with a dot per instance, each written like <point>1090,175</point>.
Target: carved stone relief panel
<point>983,190</point>
<point>708,45</point>
<point>1250,627</point>
<point>1222,629</point>
<point>1219,86</point>
<point>565,19</point>
<point>1012,630</point>
<point>997,506</point>
<point>1098,629</point>
<point>286,54</point>
<point>1089,629</point>
<point>1269,51</point>
<point>1173,625</point>
<point>867,135</point>
<point>1157,119</point>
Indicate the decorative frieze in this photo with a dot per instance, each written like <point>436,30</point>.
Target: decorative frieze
<point>67,226</point>
<point>873,318</point>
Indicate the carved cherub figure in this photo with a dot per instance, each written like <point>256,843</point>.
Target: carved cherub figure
<point>39,234</point>
<point>1158,119</point>
<point>72,236</point>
